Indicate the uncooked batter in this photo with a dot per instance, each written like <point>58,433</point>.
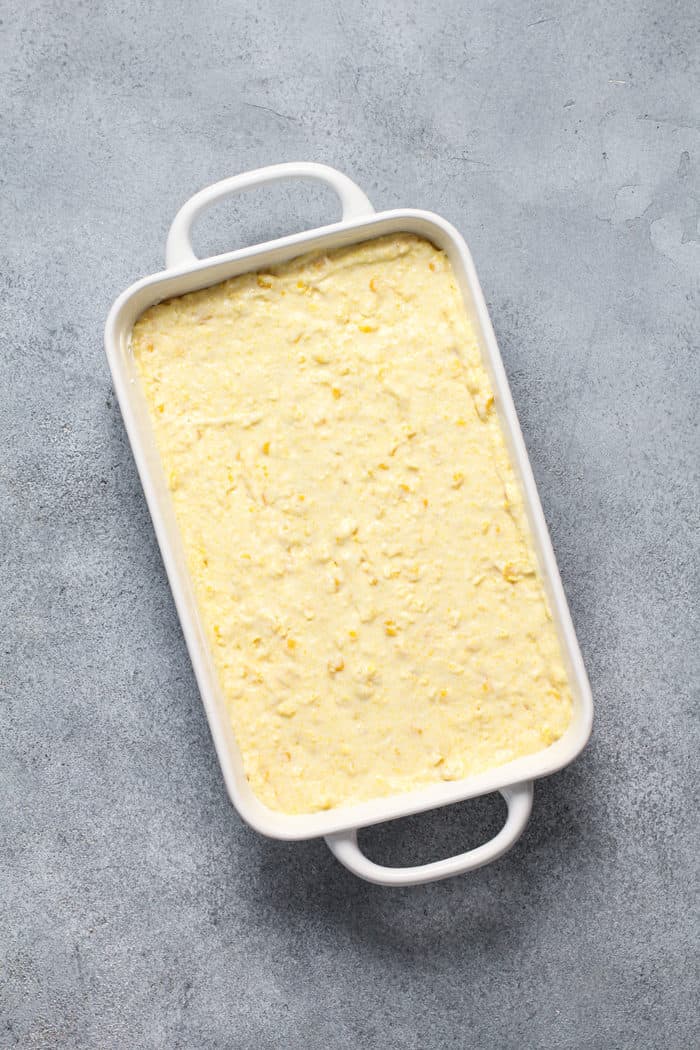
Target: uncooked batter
<point>353,527</point>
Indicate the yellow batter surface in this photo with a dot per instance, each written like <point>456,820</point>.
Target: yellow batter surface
<point>353,526</point>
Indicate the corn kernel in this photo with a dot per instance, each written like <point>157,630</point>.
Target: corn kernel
<point>510,573</point>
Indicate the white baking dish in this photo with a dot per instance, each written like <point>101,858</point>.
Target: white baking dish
<point>186,273</point>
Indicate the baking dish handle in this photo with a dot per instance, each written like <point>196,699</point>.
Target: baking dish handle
<point>178,249</point>
<point>343,844</point>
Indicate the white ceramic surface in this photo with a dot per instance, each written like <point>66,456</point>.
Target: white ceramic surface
<point>186,273</point>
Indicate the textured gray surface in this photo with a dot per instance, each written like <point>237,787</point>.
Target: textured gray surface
<point>135,909</point>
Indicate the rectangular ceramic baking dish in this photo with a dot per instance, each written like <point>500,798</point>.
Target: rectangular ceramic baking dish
<point>186,273</point>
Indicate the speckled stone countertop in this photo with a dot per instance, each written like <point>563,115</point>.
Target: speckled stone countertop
<point>136,910</point>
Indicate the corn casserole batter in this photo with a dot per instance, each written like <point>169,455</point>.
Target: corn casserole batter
<point>354,531</point>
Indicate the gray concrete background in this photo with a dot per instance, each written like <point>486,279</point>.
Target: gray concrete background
<point>135,908</point>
